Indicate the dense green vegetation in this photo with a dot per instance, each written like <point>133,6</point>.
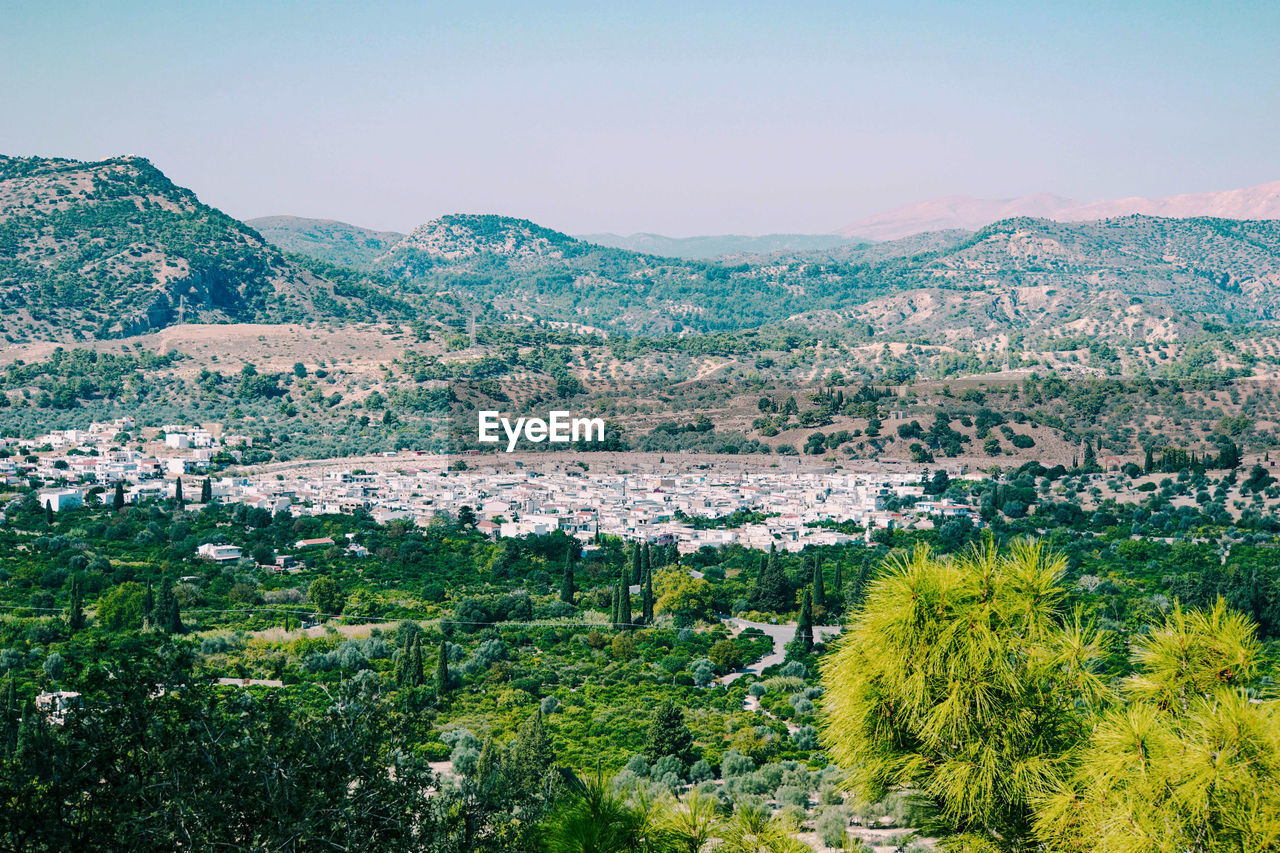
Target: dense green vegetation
<point>443,645</point>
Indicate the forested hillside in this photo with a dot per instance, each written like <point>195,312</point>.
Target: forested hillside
<point>114,248</point>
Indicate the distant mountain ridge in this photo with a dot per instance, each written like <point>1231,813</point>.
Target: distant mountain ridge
<point>965,212</point>
<point>326,239</point>
<point>717,246</point>
<point>112,248</point>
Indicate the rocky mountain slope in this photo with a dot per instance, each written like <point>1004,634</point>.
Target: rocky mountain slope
<point>1128,278</point>
<point>115,248</point>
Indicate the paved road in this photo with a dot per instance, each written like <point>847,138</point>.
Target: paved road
<point>781,635</point>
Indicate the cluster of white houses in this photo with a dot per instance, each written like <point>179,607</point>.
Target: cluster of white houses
<point>633,496</point>
<point>635,499</point>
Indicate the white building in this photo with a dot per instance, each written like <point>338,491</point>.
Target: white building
<point>61,499</point>
<point>219,553</point>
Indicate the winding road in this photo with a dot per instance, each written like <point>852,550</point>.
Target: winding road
<point>781,636</point>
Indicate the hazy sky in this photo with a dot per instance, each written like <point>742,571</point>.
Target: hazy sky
<point>680,118</point>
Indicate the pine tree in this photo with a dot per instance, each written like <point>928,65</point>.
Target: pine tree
<point>443,683</point>
<point>117,502</point>
<point>177,493</point>
<point>567,590</point>
<point>773,591</point>
<point>75,612</point>
<point>819,585</point>
<point>531,757</point>
<point>804,628</point>
<point>206,491</point>
<point>668,734</point>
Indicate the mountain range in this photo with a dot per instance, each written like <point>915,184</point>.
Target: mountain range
<point>968,213</point>
<point>113,248</point>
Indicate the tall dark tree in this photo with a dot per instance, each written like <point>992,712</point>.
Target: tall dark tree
<point>819,585</point>
<point>668,734</point>
<point>773,590</point>
<point>48,512</point>
<point>624,601</point>
<point>416,674</point>
<point>635,563</point>
<point>1090,460</point>
<point>839,585</point>
<point>804,627</point>
<point>168,614</point>
<point>75,609</point>
<point>177,493</point>
<point>443,678</point>
<point>646,598</point>
<point>117,503</point>
<point>206,491</point>
<point>531,757</point>
<point>149,607</point>
<point>567,590</point>
<point>9,724</point>
<point>646,564</point>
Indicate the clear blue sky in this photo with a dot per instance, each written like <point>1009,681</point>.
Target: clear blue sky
<point>680,118</point>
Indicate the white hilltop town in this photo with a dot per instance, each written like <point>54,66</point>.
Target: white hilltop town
<point>636,496</point>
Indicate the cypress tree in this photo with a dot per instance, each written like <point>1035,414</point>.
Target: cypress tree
<point>149,607</point>
<point>48,512</point>
<point>1148,463</point>
<point>117,502</point>
<point>646,565</point>
<point>401,670</point>
<point>839,588</point>
<point>804,628</point>
<point>635,564</point>
<point>1090,460</point>
<point>206,491</point>
<point>9,729</point>
<point>415,675</point>
<point>75,615</point>
<point>168,614</point>
<point>177,493</point>
<point>566,584</point>
<point>442,671</point>
<point>624,601</point>
<point>819,587</point>
<point>646,598</point>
